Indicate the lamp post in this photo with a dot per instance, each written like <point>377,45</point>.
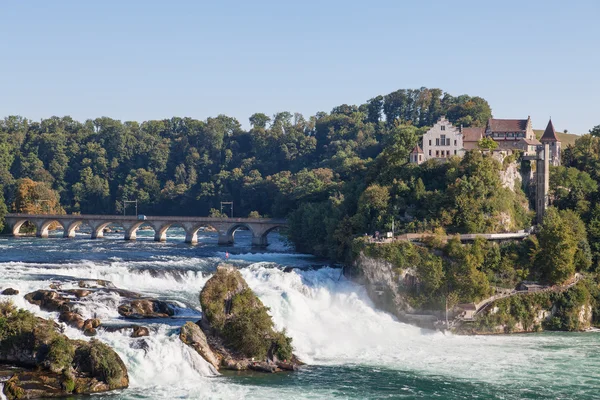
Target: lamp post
<point>230,203</point>
<point>130,201</point>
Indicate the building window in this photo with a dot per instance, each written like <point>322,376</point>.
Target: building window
<point>429,153</point>
<point>437,141</point>
<point>443,140</point>
<point>454,152</point>
<point>447,142</point>
<point>455,142</point>
<point>420,157</point>
<point>430,142</point>
<point>437,153</point>
<point>443,127</point>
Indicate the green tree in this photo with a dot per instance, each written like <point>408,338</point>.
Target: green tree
<point>487,144</point>
<point>558,245</point>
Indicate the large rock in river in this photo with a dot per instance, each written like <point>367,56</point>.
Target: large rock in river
<point>50,364</point>
<point>236,332</point>
<point>146,308</point>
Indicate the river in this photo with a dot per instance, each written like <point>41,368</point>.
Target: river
<point>352,350</point>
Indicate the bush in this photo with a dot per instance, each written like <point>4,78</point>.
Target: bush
<point>283,345</point>
<point>60,354</point>
<point>101,361</point>
<point>236,313</point>
<point>250,326</point>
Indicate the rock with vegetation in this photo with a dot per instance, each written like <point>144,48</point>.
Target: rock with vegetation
<point>568,310</point>
<point>236,332</point>
<point>50,364</point>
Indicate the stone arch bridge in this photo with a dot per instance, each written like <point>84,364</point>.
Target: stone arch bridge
<point>226,227</point>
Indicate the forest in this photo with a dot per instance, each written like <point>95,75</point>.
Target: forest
<point>186,165</point>
<point>336,176</point>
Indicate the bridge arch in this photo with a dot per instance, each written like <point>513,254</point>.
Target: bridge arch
<point>191,231</point>
<point>129,228</point>
<point>161,228</point>
<point>235,227</point>
<point>16,226</point>
<point>43,226</point>
<point>259,238</point>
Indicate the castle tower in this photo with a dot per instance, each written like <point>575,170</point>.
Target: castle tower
<point>542,175</point>
<point>549,137</point>
<point>416,155</point>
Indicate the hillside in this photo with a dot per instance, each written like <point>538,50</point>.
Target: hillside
<point>565,138</point>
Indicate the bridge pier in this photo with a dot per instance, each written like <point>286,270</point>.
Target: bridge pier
<point>259,241</point>
<point>69,230</point>
<point>225,239</point>
<point>131,230</point>
<point>41,229</point>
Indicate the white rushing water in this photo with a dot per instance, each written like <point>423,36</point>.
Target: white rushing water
<point>331,320</point>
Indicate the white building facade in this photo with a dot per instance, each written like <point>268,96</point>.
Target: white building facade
<point>442,141</point>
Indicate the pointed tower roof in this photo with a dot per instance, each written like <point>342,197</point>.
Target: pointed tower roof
<point>549,134</point>
<point>416,150</point>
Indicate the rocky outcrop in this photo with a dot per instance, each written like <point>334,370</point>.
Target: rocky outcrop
<point>9,292</point>
<point>387,287</point>
<point>568,310</point>
<point>48,300</point>
<point>192,335</point>
<point>140,331</point>
<point>236,331</point>
<point>146,308</point>
<point>51,365</point>
<point>65,302</point>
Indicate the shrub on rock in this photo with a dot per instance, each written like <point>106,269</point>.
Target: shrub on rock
<point>238,325</point>
<point>51,364</point>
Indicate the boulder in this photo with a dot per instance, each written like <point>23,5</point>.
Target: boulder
<point>79,293</point>
<point>90,331</point>
<point>193,336</point>
<point>48,300</point>
<point>10,292</point>
<point>146,308</point>
<point>49,364</point>
<point>236,330</point>
<point>72,319</point>
<point>91,323</point>
<point>140,331</point>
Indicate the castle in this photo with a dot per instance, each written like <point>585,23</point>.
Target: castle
<point>444,140</point>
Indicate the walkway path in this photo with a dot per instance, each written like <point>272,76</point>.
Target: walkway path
<point>483,304</point>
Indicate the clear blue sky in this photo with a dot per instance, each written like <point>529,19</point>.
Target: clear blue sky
<point>139,60</point>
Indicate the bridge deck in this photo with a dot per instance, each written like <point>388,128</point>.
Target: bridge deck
<point>130,218</point>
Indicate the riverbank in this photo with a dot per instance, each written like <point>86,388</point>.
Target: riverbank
<point>396,280</point>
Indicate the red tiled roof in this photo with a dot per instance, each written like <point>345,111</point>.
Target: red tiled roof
<point>472,134</point>
<point>417,149</point>
<point>507,125</point>
<point>532,142</point>
<point>549,134</point>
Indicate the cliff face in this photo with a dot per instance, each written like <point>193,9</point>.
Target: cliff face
<point>388,288</point>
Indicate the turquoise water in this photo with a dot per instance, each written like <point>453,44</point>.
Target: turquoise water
<point>352,350</point>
